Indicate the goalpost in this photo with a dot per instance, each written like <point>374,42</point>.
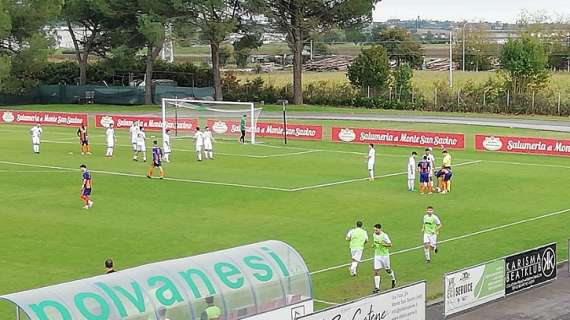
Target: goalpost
<point>223,116</point>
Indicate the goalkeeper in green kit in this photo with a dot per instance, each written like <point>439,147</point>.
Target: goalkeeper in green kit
<point>242,128</point>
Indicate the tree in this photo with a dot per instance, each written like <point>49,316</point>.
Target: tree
<point>91,16</point>
<point>524,62</point>
<point>297,19</point>
<point>216,19</point>
<point>401,46</point>
<point>479,50</point>
<point>355,35</point>
<point>24,44</point>
<point>244,46</point>
<point>143,24</point>
<point>402,77</point>
<point>370,69</point>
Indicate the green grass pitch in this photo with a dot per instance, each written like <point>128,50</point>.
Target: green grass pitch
<point>251,193</point>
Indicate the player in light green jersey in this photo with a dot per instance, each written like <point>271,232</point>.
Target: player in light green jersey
<point>357,238</point>
<point>381,245</point>
<point>430,228</point>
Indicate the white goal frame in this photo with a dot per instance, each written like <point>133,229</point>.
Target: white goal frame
<point>247,105</point>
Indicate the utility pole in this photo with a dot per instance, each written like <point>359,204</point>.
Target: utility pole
<point>451,58</point>
<point>464,46</point>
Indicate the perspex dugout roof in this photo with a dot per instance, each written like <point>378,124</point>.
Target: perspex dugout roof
<point>241,281</point>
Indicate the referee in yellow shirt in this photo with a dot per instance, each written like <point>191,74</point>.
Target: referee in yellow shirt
<point>446,168</point>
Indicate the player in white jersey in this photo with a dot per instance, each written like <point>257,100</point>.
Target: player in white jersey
<point>134,131</point>
<point>412,171</point>
<point>166,148</point>
<point>431,160</point>
<point>371,161</point>
<point>199,137</point>
<point>208,143</point>
<point>381,245</point>
<point>141,145</point>
<point>430,228</point>
<point>36,133</point>
<point>110,137</point>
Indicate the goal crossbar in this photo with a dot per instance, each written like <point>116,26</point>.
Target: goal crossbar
<point>186,103</point>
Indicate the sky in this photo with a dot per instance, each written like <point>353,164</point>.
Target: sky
<point>470,10</point>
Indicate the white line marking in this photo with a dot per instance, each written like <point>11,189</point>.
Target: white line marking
<point>468,235</point>
<point>326,302</point>
<point>329,184</point>
<point>529,164</point>
<point>144,176</point>
<point>188,150</point>
<point>32,171</point>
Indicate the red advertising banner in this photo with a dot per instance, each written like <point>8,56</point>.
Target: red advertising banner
<point>149,123</point>
<point>44,118</point>
<point>399,138</point>
<point>542,146</point>
<point>269,129</point>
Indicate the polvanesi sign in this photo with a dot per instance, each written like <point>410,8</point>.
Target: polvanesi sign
<point>145,290</point>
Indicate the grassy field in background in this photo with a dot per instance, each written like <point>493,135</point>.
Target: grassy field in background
<point>423,80</point>
<point>46,237</point>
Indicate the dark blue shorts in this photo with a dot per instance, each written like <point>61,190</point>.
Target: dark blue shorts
<point>448,176</point>
<point>424,177</point>
<point>157,164</point>
<point>87,192</point>
<point>84,142</point>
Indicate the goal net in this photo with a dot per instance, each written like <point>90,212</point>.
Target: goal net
<point>224,118</point>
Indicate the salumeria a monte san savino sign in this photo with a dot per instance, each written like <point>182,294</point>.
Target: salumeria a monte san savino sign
<point>474,286</point>
<point>43,118</point>
<point>542,146</point>
<point>530,268</point>
<point>399,137</point>
<point>149,123</point>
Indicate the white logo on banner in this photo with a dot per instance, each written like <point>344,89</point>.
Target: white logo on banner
<point>8,116</point>
<point>220,127</point>
<point>492,143</point>
<point>346,135</point>
<point>106,121</point>
<point>548,262</point>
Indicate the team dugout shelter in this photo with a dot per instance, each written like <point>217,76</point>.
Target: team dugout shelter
<point>242,281</point>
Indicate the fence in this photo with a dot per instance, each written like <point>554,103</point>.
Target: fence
<point>64,94</point>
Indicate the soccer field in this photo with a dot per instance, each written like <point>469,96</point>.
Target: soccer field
<point>307,194</point>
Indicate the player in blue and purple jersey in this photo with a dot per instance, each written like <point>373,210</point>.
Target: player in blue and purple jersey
<point>424,167</point>
<point>86,187</point>
<point>156,160</point>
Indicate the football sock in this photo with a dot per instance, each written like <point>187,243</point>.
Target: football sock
<point>426,252</point>
<point>393,275</point>
<point>377,282</point>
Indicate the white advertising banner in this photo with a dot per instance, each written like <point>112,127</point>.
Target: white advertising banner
<point>291,312</point>
<point>406,303</point>
<point>474,286</point>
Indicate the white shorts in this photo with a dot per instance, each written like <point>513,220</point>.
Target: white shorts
<point>141,147</point>
<point>134,143</point>
<point>208,146</point>
<point>370,165</point>
<point>167,149</point>
<point>382,262</point>
<point>110,145</point>
<point>412,177</point>
<point>431,239</point>
<point>199,148</point>
<point>35,140</point>
<point>356,254</point>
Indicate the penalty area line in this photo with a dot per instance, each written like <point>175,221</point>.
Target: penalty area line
<point>330,184</point>
<point>125,174</point>
<point>468,235</point>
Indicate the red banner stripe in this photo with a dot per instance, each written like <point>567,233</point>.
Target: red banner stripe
<point>149,123</point>
<point>526,145</point>
<point>44,118</point>
<point>269,129</point>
